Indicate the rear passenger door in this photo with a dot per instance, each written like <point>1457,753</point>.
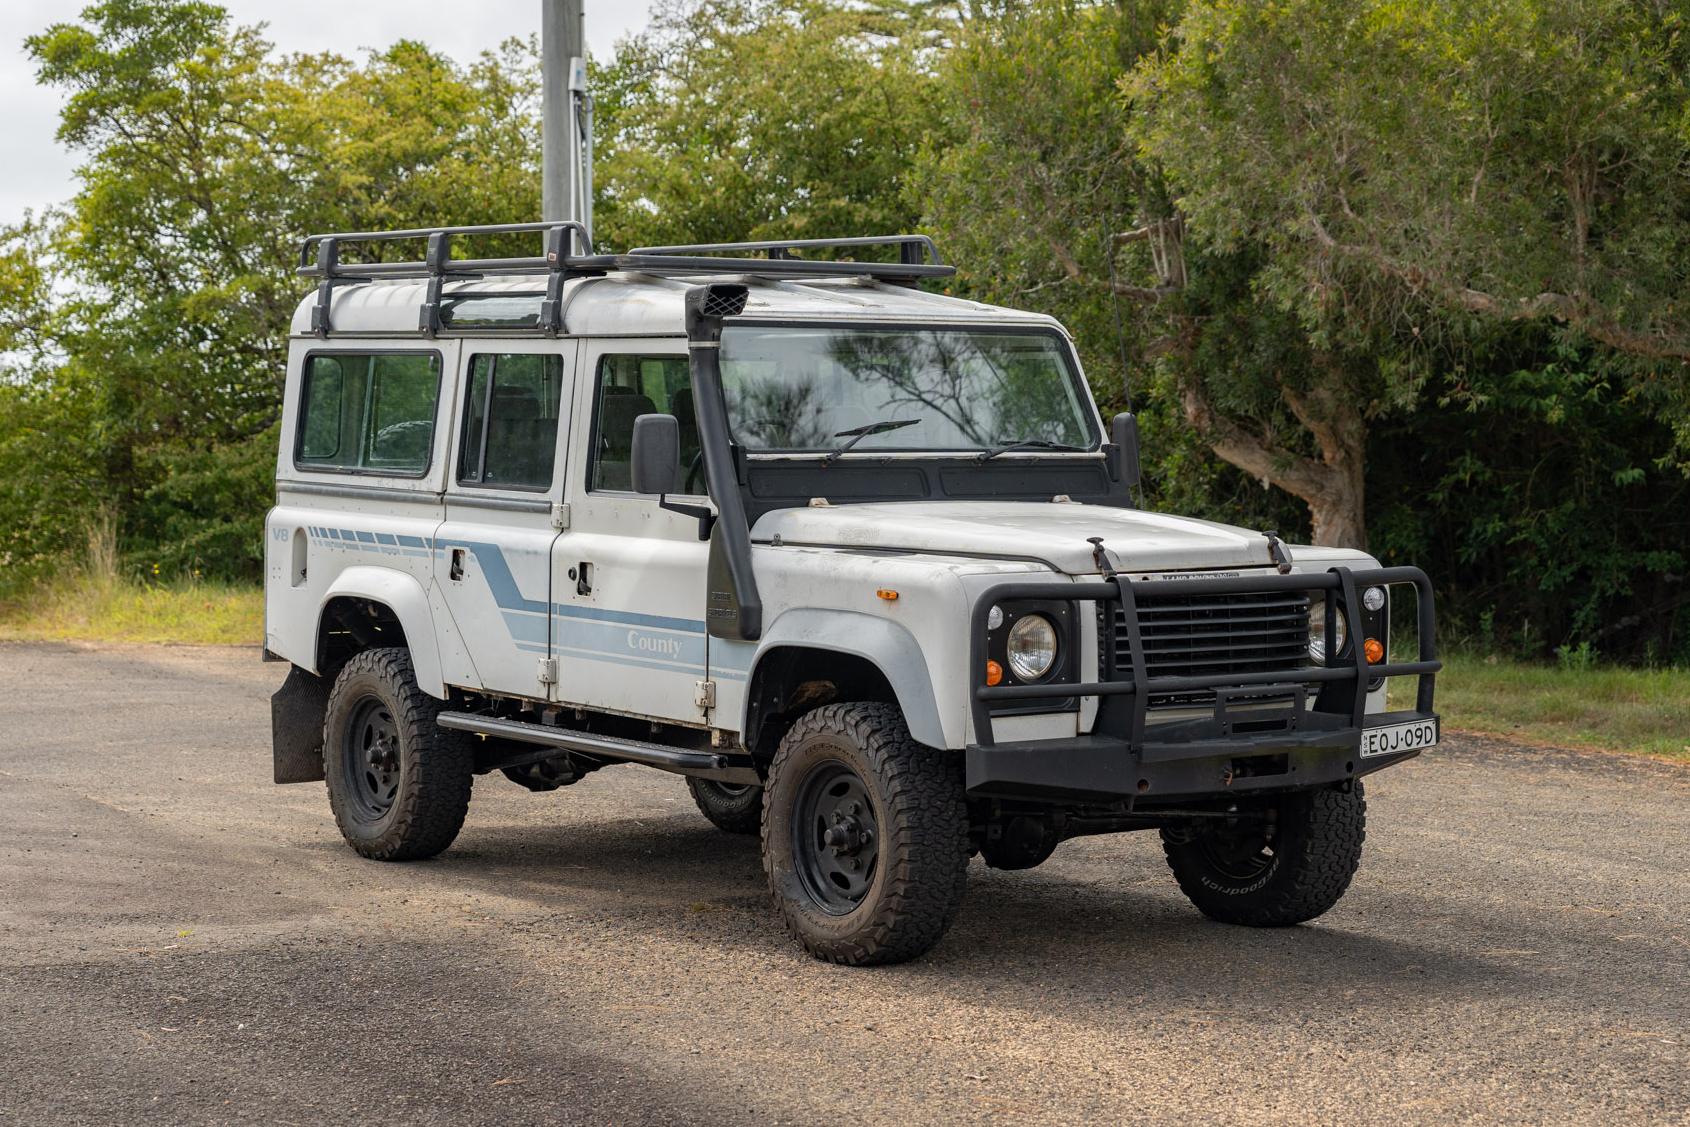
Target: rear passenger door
<point>629,579</point>
<point>504,485</point>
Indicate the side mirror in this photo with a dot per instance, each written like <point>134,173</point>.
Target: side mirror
<point>656,453</point>
<point>1124,433</point>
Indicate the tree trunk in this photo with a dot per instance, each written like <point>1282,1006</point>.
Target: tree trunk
<point>1332,485</point>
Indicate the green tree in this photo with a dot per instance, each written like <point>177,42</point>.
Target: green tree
<point>1425,174</point>
<point>752,119</point>
<point>206,159</point>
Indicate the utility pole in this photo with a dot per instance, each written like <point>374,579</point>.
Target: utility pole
<point>566,114</point>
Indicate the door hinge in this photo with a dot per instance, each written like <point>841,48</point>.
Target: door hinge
<point>705,695</point>
<point>548,671</point>
<point>560,514</point>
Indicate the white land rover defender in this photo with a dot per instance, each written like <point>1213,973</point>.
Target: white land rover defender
<point>859,560</point>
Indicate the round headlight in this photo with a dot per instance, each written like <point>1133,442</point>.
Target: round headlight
<point>994,618</point>
<point>1373,598</point>
<point>1317,630</point>
<point>1032,647</point>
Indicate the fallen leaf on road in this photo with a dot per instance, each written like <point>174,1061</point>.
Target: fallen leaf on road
<point>508,1080</point>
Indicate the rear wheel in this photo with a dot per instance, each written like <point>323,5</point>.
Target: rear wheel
<point>398,783</point>
<point>865,835</point>
<point>1285,859</point>
<point>736,808</point>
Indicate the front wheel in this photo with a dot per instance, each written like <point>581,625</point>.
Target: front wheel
<point>398,782</point>
<point>1283,860</point>
<point>865,835</point>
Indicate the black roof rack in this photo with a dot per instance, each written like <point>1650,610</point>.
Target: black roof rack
<point>917,258</point>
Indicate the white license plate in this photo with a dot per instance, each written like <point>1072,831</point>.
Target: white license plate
<point>1394,738</point>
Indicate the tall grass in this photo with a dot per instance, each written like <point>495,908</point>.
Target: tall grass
<point>92,599</point>
<point>1578,702</point>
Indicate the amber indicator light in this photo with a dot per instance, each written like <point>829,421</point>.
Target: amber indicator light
<point>1375,650</point>
<point>994,673</point>
<point>887,594</point>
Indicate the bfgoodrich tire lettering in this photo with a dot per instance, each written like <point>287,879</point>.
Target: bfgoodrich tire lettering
<point>909,842</point>
<point>1244,873</point>
<point>398,783</point>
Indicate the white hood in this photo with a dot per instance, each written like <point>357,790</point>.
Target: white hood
<point>1053,533</point>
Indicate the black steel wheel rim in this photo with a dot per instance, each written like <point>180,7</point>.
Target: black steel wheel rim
<point>732,790</point>
<point>836,838</point>
<point>370,758</point>
<point>1240,853</point>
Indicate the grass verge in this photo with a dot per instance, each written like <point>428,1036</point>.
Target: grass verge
<point>103,608</point>
<point>1634,710</point>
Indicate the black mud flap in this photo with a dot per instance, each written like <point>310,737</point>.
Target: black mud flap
<point>296,727</point>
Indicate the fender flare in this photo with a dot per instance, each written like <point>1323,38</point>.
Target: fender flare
<point>401,593</point>
<point>887,645</point>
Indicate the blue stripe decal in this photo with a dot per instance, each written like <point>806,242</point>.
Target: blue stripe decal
<point>602,635</point>
<point>634,661</point>
<point>656,622</point>
<point>498,573</point>
<point>526,628</point>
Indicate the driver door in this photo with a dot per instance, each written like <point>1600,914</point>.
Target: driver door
<point>629,579</point>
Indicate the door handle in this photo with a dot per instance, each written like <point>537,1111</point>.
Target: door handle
<point>456,572</point>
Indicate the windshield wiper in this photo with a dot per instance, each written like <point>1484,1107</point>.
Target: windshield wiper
<point>857,434</point>
<point>1023,443</point>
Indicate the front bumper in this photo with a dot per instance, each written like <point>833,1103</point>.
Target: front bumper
<point>1241,748</point>
<point>1106,769</point>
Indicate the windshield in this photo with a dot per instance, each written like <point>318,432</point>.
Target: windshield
<point>817,389</point>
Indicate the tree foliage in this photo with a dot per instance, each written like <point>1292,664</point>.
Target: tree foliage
<point>756,119</point>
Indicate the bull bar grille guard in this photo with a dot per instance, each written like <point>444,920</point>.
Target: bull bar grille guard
<point>1339,585</point>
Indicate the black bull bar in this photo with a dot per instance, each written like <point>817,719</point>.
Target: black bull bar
<point>1148,762</point>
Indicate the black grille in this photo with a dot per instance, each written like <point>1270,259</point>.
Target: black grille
<point>1204,635</point>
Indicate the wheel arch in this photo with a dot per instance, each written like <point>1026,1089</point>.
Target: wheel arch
<point>858,656</point>
<point>371,607</point>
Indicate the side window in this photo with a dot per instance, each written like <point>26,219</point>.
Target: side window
<point>627,387</point>
<point>510,420</point>
<point>369,411</point>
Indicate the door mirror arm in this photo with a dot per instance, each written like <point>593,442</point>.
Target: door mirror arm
<point>706,516</point>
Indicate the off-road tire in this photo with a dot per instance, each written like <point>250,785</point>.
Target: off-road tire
<point>921,826</point>
<point>1316,849</point>
<point>733,810</point>
<point>435,767</point>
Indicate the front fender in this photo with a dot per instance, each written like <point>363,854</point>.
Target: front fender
<point>887,645</point>
<point>401,593</point>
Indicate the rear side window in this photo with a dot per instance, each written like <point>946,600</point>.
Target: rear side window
<point>631,386</point>
<point>510,420</point>
<point>370,412</point>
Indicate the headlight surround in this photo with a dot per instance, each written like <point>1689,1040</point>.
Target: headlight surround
<point>1032,647</point>
<point>1317,630</point>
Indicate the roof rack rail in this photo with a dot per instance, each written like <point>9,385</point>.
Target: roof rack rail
<point>560,262</point>
<point>913,250</point>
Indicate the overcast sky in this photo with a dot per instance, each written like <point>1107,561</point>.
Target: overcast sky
<point>39,171</point>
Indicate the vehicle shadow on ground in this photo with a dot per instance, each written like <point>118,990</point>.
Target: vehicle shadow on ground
<point>1019,933</point>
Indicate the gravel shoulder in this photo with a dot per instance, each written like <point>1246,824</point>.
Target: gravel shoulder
<point>181,941</point>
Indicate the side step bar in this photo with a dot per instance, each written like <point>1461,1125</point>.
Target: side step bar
<point>703,764</point>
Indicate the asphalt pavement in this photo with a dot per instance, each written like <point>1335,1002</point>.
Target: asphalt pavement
<point>183,942</point>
